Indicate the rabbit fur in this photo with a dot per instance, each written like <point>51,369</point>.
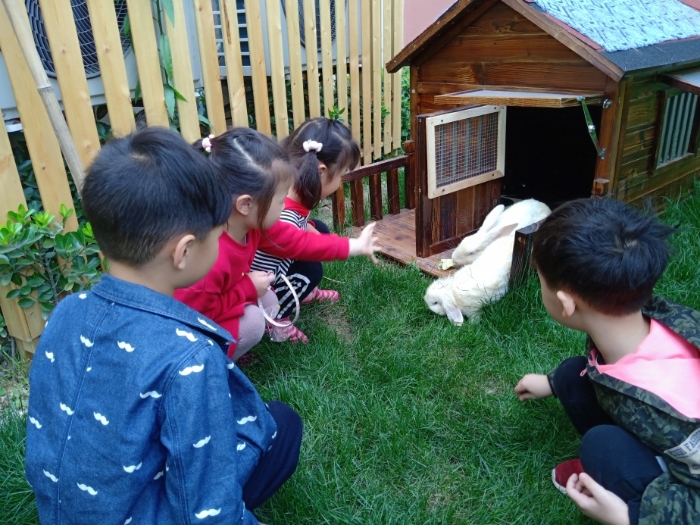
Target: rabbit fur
<point>522,213</point>
<point>464,292</point>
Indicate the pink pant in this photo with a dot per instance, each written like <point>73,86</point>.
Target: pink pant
<point>251,326</point>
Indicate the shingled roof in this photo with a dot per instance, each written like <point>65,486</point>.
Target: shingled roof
<point>616,36</point>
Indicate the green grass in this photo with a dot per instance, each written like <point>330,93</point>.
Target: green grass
<point>409,420</point>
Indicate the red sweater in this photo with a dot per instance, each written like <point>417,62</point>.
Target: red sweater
<point>224,292</point>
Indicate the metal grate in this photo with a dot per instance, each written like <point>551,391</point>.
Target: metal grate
<point>466,148</point>
<point>679,118</point>
<point>82,23</point>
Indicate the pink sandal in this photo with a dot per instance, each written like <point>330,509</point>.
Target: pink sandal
<point>321,296</point>
<point>290,333</point>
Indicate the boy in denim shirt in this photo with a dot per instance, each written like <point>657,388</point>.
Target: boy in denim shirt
<point>135,413</point>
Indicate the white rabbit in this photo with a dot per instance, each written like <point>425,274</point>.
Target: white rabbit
<point>464,292</point>
<point>522,213</point>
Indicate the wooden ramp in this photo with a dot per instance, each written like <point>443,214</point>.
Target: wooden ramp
<point>397,237</point>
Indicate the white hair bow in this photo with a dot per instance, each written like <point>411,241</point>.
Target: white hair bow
<point>311,145</point>
<point>206,143</point>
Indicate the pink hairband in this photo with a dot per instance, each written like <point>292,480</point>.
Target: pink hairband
<point>206,143</point>
<point>311,145</point>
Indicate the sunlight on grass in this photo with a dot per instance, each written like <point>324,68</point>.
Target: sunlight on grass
<point>409,420</point>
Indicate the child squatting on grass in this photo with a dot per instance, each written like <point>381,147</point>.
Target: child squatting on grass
<point>636,397</point>
<point>258,176</point>
<point>135,412</point>
<point>322,150</point>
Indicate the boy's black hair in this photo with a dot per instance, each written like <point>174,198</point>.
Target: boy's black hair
<point>339,152</point>
<point>604,251</point>
<point>251,164</point>
<point>147,187</point>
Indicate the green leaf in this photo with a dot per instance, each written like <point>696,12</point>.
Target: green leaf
<point>166,59</point>
<point>126,26</point>
<point>178,95</point>
<point>26,302</point>
<point>169,9</point>
<point>170,101</point>
<point>137,91</point>
<point>204,120</point>
<point>35,280</point>
<point>5,279</point>
<point>13,293</point>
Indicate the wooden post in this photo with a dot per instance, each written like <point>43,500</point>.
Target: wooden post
<point>375,197</point>
<point>392,190</point>
<point>366,23</point>
<point>341,68</point>
<point>397,23</point>
<point>357,203</point>
<point>234,63</point>
<point>376,76</point>
<point>326,55</point>
<point>257,65</point>
<point>296,76</point>
<point>279,95</point>
<point>409,180</point>
<point>338,205</point>
<point>311,58</point>
<point>354,37</point>
<point>600,188</point>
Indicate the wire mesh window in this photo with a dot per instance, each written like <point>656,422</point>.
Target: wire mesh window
<point>465,148</point>
<point>680,122</point>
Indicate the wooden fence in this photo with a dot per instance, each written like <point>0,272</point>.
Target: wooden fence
<point>367,32</point>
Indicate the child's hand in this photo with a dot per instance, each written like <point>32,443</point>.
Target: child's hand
<point>595,501</point>
<point>533,386</point>
<point>261,281</point>
<point>365,243</point>
<point>310,228</point>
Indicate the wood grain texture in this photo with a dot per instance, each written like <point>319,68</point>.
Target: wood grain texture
<point>327,56</point>
<point>515,98</point>
<point>338,208</point>
<point>375,197</point>
<point>209,57</point>
<point>388,85</point>
<point>357,203</point>
<point>312,59</point>
<point>234,63</point>
<point>103,19</point>
<point>377,79</point>
<point>397,44</point>
<point>355,93</point>
<point>182,72</point>
<point>257,66</point>
<point>366,24</point>
<point>392,190</point>
<point>341,67</point>
<point>68,61</point>
<point>276,49</point>
<point>296,77</point>
<point>143,35</point>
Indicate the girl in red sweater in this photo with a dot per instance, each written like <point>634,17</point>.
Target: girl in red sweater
<point>258,174</point>
<point>322,150</point>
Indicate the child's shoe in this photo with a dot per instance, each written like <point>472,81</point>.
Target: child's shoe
<point>287,333</point>
<point>563,471</point>
<point>321,296</point>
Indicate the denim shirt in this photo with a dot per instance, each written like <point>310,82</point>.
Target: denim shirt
<point>137,416</point>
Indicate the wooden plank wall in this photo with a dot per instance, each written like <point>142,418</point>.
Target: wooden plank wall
<point>493,45</point>
<point>637,177</point>
<point>368,34</point>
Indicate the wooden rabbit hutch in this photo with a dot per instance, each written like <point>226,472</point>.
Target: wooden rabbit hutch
<point>508,99</point>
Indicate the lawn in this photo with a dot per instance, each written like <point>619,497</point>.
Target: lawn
<point>409,420</point>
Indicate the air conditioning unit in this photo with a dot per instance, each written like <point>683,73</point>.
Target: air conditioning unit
<point>8,106</point>
<point>244,31</point>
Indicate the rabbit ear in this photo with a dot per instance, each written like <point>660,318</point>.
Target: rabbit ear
<point>492,218</point>
<point>454,314</point>
<point>505,231</point>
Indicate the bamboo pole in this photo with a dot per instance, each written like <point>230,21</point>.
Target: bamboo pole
<point>43,86</point>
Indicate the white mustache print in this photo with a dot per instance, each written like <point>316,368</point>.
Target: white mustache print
<point>247,419</point>
<point>210,342</point>
<point>183,333</point>
<point>34,422</point>
<point>230,366</point>
<point>240,447</point>
<point>86,341</point>
<point>202,442</point>
<point>99,417</point>
<point>205,513</point>
<point>125,346</point>
<point>88,369</point>
<point>50,476</point>
<point>49,355</point>
<point>87,489</point>
<point>152,393</point>
<point>274,435</point>
<point>158,476</point>
<point>191,370</point>
<point>83,295</point>
<point>127,521</point>
<point>206,324</point>
<point>130,469</point>
<point>66,409</point>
